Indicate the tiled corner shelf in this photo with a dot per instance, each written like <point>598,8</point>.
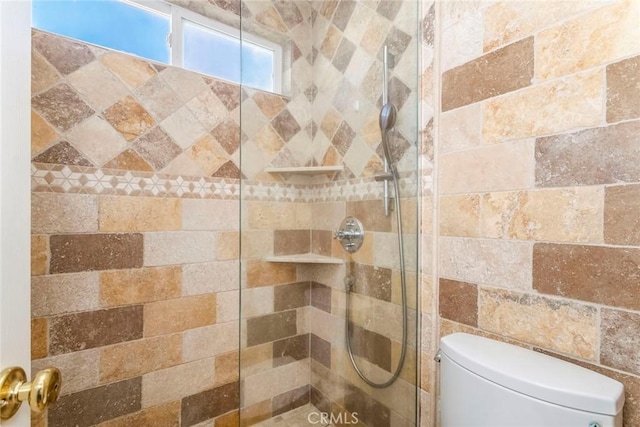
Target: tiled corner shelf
<point>306,170</point>
<point>305,259</point>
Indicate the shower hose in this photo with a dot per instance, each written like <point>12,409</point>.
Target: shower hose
<point>350,281</point>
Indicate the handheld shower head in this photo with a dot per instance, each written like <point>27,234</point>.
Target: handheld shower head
<point>387,120</point>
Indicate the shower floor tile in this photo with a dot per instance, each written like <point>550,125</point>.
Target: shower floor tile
<point>298,417</point>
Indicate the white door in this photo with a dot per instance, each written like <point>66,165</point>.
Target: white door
<point>15,90</point>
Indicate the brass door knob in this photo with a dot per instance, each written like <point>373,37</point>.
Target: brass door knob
<point>40,393</point>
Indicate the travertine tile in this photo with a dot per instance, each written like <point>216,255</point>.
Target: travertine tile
<point>42,134</point>
<point>43,75</point>
<point>623,90</point>
<point>139,285</point>
<point>64,293</point>
<point>178,247</point>
<point>97,85</point>
<point>255,413</point>
<point>227,306</point>
<point>463,41</point>
<point>129,160</point>
<point>64,54</point>
<point>271,327</point>
<point>320,350</point>
<point>63,213</point>
<point>231,419</point>
<point>502,71</point>
<point>328,216</point>
<point>228,245</point>
<point>289,401</point>
<point>565,326</point>
<point>157,148</point>
<point>604,155</point>
<point>185,83</point>
<point>49,104</point>
<point>129,118</point>
<point>294,295</point>
<point>507,166</point>
<point>39,338</point>
<point>208,214</point>
<point>139,357</point>
<point>567,215</point>
<point>167,414</point>
<point>287,242</point>
<point>290,349</point>
<point>85,252</point>
<point>370,213</point>
<point>79,369</point>
<point>603,35</point>
<point>185,380</point>
<point>63,153</point>
<point>183,127</point>
<point>256,359</point>
<point>97,140</point>
<point>207,154</point>
<point>262,273</point>
<point>164,317</point>
<point>265,385</point>
<point>132,71</point>
<point>196,278</point>
<point>620,340</point>
<point>228,93</point>
<point>603,275</point>
<point>460,215</point>
<point>210,404</point>
<point>621,224</point>
<point>158,98</point>
<point>208,109</point>
<point>228,367</point>
<point>461,128</point>
<point>500,263</point>
<point>210,341</point>
<point>139,214</point>
<point>574,102</point>
<point>459,302</point>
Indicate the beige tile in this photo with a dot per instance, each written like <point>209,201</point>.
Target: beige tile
<point>63,213</point>
<point>121,287</point>
<point>97,140</point>
<point>79,369</point>
<point>276,381</point>
<point>227,306</point>
<point>256,359</point>
<point>500,263</point>
<point>260,273</point>
<point>183,127</point>
<point>42,134</point>
<point>164,317</point>
<point>463,41</point>
<point>560,325</point>
<point>573,102</point>
<point>185,380</point>
<point>97,85</point>
<point>508,166</point>
<point>270,215</point>
<point>328,216</point>
<point>139,214</point>
<point>461,129</point>
<point>208,109</point>
<point>39,255</point>
<point>569,215</point>
<point>136,358</point>
<point>187,84</point>
<point>207,154</point>
<point>178,247</point>
<point>257,301</point>
<point>210,341</point>
<point>460,215</point>
<point>167,414</point>
<point>604,35</point>
<point>43,74</point>
<point>210,214</point>
<point>64,293</point>
<point>228,245</point>
<point>623,90</point>
<point>196,278</point>
<point>227,367</point>
<point>132,71</point>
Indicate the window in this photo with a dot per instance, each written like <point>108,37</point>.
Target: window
<point>168,34</point>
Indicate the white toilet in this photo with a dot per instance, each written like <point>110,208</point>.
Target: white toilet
<point>486,383</point>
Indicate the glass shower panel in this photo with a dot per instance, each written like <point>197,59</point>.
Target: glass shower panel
<point>310,157</point>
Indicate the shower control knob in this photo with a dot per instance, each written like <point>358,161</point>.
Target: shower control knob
<point>350,234</point>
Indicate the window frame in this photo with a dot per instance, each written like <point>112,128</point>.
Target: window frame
<point>177,15</point>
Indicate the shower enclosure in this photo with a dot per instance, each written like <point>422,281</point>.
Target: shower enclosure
<point>328,336</point>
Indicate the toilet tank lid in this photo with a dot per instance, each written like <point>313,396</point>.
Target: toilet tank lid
<point>534,374</point>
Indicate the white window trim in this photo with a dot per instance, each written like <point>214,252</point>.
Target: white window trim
<point>178,15</point>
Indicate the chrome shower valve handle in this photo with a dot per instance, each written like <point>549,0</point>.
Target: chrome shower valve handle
<point>350,234</point>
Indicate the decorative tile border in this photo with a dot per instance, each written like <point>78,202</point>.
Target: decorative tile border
<point>88,180</point>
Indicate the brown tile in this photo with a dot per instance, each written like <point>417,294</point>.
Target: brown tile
<point>620,340</point>
<point>623,90</point>
<point>343,13</point>
<point>129,118</point>
<point>289,12</point>
<point>157,148</point>
<point>43,74</point>
<point>287,242</point>
<point>330,42</point>
<point>459,302</point>
<point>228,93</point>
<point>136,358</point>
<point>621,223</point>
<point>177,315</point>
<point>321,350</point>
<point>255,359</point>
<point>232,419</point>
<point>93,406</point>
<point>321,296</point>
<point>166,415</point>
<point>39,254</point>
<point>290,400</point>
<point>39,338</point>
<point>63,153</point>
<point>227,170</point>
<point>343,138</point>
<point>389,8</point>
<point>210,404</point>
<point>372,281</point>
<point>62,107</point>
<point>83,252</point>
<point>261,273</point>
<point>64,54</point>
<point>369,410</point>
<point>605,155</point>
<point>321,242</point>
<point>328,7</point>
<point>134,72</point>
<point>123,287</point>
<point>131,214</point>
<point>255,413</point>
<point>228,134</point>
<point>604,275</point>
<point>129,160</point>
<point>397,41</point>
<point>271,327</point>
<point>227,368</point>
<point>343,55</point>
<point>501,71</point>
<point>371,214</point>
<point>81,331</point>
<point>42,134</point>
<point>371,346</point>
<point>319,400</point>
<point>286,125</point>
<point>270,105</point>
<point>290,349</point>
<point>227,245</point>
<point>294,295</point>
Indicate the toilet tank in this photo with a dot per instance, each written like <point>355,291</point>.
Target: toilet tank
<point>489,383</point>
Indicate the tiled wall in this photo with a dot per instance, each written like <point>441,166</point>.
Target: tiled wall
<point>538,154</point>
